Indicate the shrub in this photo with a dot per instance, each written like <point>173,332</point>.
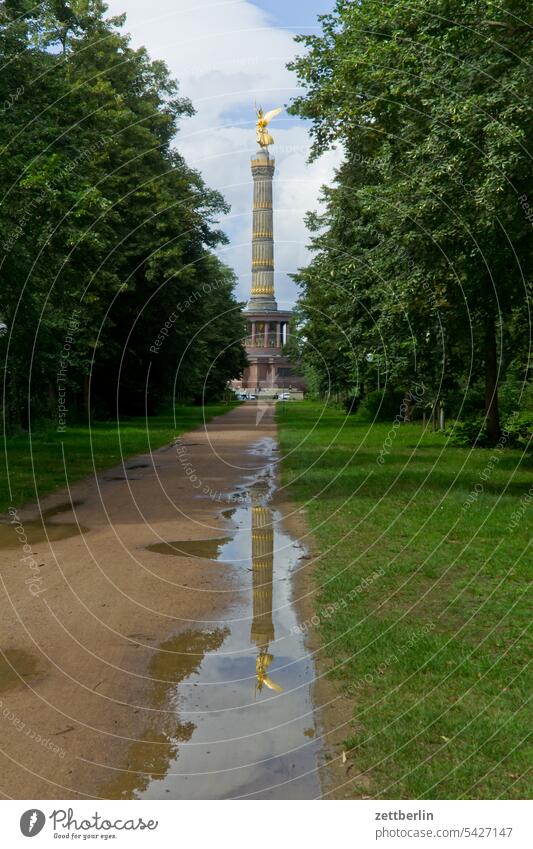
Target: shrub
<point>515,394</point>
<point>519,429</point>
<point>470,431</point>
<point>351,403</point>
<point>381,406</point>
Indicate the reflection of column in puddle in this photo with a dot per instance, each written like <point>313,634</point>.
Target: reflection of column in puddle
<point>262,569</point>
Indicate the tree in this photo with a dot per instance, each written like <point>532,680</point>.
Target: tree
<point>430,102</point>
<point>105,228</point>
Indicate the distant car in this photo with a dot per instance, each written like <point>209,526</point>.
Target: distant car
<point>252,397</point>
<point>285,396</point>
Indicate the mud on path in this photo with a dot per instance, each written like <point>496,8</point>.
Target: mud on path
<point>139,661</point>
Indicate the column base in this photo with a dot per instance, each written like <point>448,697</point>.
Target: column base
<point>262,303</point>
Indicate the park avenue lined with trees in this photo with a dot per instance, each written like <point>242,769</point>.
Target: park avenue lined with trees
<point>208,595</point>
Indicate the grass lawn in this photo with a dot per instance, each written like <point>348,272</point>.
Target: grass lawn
<point>35,463</point>
<point>422,601</point>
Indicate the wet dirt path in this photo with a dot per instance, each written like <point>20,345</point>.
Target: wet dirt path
<point>150,639</point>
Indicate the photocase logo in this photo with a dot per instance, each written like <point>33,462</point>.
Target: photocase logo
<point>32,822</point>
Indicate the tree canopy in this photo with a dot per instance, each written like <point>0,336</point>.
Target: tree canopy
<point>423,257</point>
<point>110,287</point>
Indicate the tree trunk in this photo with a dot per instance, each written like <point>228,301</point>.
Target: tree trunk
<point>492,412</point>
<point>408,406</point>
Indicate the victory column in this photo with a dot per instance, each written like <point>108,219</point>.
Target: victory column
<point>269,372</point>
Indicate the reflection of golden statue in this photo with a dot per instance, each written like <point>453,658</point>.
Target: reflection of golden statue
<point>263,661</point>
<point>263,137</point>
<point>262,574</point>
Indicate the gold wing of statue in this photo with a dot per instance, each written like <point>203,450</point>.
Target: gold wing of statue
<point>272,684</point>
<point>272,114</point>
<point>262,663</point>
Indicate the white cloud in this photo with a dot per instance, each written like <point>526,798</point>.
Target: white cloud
<point>228,56</point>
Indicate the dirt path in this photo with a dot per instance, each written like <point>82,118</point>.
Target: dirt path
<point>84,613</point>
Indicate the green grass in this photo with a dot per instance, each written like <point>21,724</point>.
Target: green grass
<point>35,463</point>
<point>432,652</point>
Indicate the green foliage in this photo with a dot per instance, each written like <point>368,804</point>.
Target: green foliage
<point>106,235</point>
<point>380,405</point>
<point>470,431</point>
<point>423,256</point>
<point>519,430</point>
<point>516,394</point>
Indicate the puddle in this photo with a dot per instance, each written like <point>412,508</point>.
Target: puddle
<point>64,507</point>
<point>264,447</point>
<point>150,757</point>
<point>237,695</point>
<point>122,478</point>
<point>40,530</point>
<point>181,657</point>
<point>14,666</point>
<point>208,549</point>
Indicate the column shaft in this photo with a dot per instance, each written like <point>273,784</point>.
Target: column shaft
<point>263,231</point>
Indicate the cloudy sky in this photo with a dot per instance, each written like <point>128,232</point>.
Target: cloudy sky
<point>228,55</point>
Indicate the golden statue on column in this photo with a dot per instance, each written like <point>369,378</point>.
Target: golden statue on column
<point>263,136</point>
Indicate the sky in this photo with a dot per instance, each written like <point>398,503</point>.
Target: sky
<point>229,55</point>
